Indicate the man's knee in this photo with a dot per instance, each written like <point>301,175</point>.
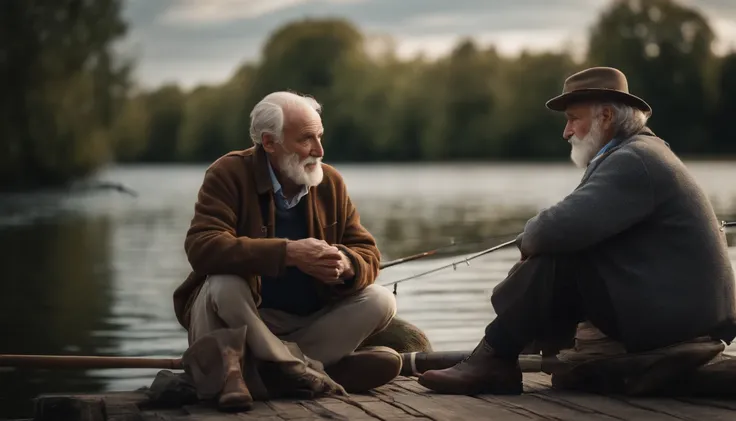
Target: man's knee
<point>380,303</point>
<point>224,289</point>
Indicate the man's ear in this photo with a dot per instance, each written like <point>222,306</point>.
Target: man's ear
<point>607,117</point>
<point>268,142</point>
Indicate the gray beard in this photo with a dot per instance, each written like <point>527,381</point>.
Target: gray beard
<point>583,150</point>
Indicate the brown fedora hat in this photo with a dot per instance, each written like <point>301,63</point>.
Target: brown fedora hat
<point>597,84</point>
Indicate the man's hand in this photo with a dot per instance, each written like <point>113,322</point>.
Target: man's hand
<point>319,260</point>
<point>348,272</point>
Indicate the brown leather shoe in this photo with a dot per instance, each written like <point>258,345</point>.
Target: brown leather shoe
<point>235,395</point>
<point>366,368</point>
<point>482,372</point>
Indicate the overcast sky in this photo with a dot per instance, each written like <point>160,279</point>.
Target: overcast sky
<point>202,41</point>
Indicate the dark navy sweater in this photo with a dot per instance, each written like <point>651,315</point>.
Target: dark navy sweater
<point>295,291</point>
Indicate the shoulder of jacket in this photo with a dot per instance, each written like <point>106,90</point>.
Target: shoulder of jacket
<point>233,160</point>
<point>647,148</point>
<point>332,181</point>
<point>331,173</point>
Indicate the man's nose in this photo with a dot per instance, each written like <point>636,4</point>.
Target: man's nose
<point>567,132</point>
<point>317,150</point>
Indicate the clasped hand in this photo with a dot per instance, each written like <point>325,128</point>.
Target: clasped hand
<point>319,260</point>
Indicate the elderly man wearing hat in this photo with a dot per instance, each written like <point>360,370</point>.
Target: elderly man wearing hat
<point>633,258</point>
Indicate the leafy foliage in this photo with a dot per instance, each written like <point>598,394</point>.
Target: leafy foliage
<point>67,107</point>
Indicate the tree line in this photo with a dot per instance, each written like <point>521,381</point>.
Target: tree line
<point>70,105</point>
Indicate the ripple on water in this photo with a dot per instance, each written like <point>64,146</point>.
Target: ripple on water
<point>131,256</point>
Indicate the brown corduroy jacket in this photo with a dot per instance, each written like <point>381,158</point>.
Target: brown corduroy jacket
<point>232,231</point>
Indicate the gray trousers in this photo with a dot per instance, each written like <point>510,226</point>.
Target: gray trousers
<point>226,302</point>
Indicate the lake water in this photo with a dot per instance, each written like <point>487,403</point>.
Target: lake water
<point>93,273</point>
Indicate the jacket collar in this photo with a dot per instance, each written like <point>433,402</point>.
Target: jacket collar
<point>616,145</point>
<point>261,171</point>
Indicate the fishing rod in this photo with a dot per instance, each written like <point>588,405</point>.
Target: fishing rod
<point>395,262</point>
<point>407,259</point>
<point>452,265</point>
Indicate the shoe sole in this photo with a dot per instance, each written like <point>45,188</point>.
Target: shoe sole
<point>445,388</point>
<point>364,371</point>
<point>234,403</point>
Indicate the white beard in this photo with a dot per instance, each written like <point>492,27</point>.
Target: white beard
<point>296,171</point>
<point>583,150</point>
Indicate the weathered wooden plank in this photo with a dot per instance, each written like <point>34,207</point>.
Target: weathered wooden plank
<point>540,386</point>
<point>178,414</point>
<point>209,413</point>
<point>71,407</point>
<point>261,410</point>
<point>450,407</point>
<point>538,407</point>
<point>404,399</point>
<point>615,407</point>
<point>384,410</point>
<point>334,409</point>
<point>715,403</point>
<point>123,406</point>
<point>364,398</point>
<point>291,409</point>
<point>124,412</point>
<point>385,395</point>
<point>153,416</point>
<point>680,410</point>
<point>361,409</point>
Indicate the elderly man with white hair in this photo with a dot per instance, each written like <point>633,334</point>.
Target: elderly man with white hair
<point>633,256</point>
<point>281,293</point>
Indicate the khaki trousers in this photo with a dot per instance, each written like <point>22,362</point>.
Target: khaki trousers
<point>226,302</point>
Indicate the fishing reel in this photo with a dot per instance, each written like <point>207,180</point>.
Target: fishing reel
<point>725,225</point>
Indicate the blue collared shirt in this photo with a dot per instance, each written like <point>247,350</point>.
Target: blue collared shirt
<point>603,150</point>
<point>278,194</point>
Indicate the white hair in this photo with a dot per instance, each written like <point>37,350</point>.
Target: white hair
<point>267,116</point>
<point>627,120</point>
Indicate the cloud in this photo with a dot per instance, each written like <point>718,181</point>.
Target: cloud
<point>188,12</point>
<point>201,12</point>
<point>203,41</point>
<point>507,42</point>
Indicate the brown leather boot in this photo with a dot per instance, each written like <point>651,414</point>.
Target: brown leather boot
<point>366,368</point>
<point>298,379</point>
<point>482,372</point>
<point>235,395</point>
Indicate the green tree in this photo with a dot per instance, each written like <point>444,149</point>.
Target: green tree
<point>61,88</point>
<point>527,128</point>
<point>464,105</point>
<point>165,108</point>
<point>665,50</point>
<point>308,56</point>
<point>130,129</point>
<point>203,133</point>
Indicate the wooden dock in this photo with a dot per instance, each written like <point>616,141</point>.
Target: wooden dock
<point>404,399</point>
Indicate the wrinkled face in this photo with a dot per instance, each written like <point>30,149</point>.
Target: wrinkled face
<point>299,156</point>
<point>585,131</point>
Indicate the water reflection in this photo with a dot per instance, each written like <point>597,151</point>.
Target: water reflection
<point>407,230</point>
<point>94,273</point>
<point>56,295</point>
